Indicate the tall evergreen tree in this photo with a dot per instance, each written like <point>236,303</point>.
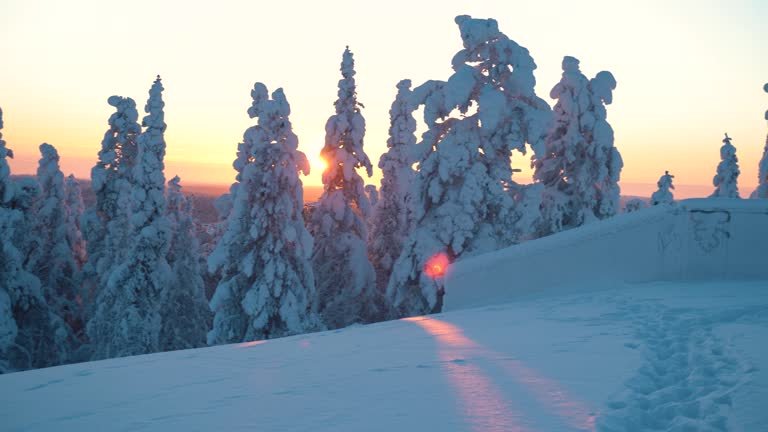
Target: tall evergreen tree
<point>726,179</point>
<point>389,222</point>
<point>461,199</point>
<point>664,194</point>
<point>105,226</point>
<point>31,336</point>
<point>580,167</point>
<point>267,285</point>
<point>184,312</point>
<point>73,199</point>
<point>762,169</point>
<point>53,259</point>
<point>127,317</point>
<point>344,276</point>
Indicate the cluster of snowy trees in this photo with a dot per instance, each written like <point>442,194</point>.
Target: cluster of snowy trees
<point>127,276</point>
<point>119,278</point>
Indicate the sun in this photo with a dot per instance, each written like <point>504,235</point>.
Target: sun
<point>317,163</point>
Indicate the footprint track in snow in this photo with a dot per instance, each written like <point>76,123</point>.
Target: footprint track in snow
<point>686,378</point>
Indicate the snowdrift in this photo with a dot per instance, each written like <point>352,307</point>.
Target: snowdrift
<point>693,240</point>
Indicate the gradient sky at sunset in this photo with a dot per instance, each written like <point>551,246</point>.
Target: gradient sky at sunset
<point>687,72</point>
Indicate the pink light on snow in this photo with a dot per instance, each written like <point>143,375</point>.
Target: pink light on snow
<point>484,404</point>
<point>251,344</point>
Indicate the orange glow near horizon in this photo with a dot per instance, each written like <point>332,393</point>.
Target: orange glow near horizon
<point>483,403</point>
<point>671,106</point>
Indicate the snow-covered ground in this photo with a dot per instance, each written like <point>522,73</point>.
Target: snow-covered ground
<point>657,356</point>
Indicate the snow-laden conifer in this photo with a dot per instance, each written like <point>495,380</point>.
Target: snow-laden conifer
<point>580,167</point>
<point>345,278</point>
<point>31,335</point>
<point>389,225</point>
<point>105,225</point>
<point>127,317</point>
<point>10,258</point>
<point>52,259</point>
<point>726,179</point>
<point>184,312</point>
<point>73,197</point>
<point>266,283</point>
<point>462,199</point>
<point>664,194</point>
<point>762,168</point>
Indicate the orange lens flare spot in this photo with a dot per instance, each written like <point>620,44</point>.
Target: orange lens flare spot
<point>437,265</point>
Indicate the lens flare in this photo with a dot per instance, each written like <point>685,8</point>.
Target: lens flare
<point>437,265</point>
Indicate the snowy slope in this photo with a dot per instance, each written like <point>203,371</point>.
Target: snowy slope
<point>694,240</point>
<point>666,355</point>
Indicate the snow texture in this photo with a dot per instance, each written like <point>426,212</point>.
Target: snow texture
<point>726,179</point>
<point>266,287</point>
<point>580,168</point>
<point>390,223</point>
<point>661,356</point>
<point>345,278</point>
<point>664,194</point>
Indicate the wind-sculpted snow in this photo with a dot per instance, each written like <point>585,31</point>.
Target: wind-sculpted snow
<point>695,239</point>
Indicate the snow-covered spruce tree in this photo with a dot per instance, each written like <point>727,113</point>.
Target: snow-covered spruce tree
<point>52,259</point>
<point>31,336</point>
<point>463,200</point>
<point>510,113</point>
<point>389,223</point>
<point>762,169</point>
<point>580,167</point>
<point>105,225</point>
<point>267,284</point>
<point>127,316</point>
<point>10,257</point>
<point>184,312</point>
<point>345,279</point>
<point>664,194</point>
<point>73,199</point>
<point>726,179</point>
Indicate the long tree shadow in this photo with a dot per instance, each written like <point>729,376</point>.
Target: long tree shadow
<point>483,404</point>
